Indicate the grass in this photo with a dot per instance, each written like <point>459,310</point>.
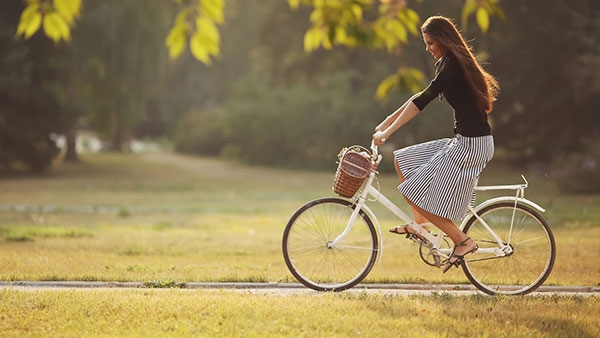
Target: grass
<point>210,313</point>
<point>166,220</point>
<point>165,217</point>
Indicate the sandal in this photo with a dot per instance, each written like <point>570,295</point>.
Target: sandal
<point>459,258</point>
<point>410,234</point>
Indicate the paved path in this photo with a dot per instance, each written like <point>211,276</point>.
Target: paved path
<point>294,288</point>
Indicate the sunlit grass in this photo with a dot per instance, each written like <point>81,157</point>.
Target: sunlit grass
<point>164,217</point>
<point>211,313</point>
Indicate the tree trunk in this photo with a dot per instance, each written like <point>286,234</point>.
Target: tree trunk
<point>71,154</point>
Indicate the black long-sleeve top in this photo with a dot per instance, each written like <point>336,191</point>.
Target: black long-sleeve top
<point>451,83</point>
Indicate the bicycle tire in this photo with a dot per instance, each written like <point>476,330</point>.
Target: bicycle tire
<point>532,241</point>
<point>306,250</point>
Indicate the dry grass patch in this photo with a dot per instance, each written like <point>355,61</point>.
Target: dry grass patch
<point>208,313</point>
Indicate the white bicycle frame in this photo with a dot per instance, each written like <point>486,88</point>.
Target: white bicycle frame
<point>502,249</point>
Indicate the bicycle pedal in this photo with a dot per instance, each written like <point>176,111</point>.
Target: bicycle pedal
<point>437,261</point>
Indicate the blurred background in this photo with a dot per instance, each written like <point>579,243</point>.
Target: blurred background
<point>265,100</point>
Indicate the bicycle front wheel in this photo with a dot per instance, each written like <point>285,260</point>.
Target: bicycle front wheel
<point>529,250</point>
<point>312,258</point>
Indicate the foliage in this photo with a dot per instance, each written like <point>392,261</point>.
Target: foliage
<point>197,22</point>
<point>383,24</point>
<point>199,133</point>
<point>550,89</point>
<point>55,16</point>
<point>28,106</point>
<point>579,172</point>
<point>115,69</point>
<point>482,11</point>
<point>295,126</point>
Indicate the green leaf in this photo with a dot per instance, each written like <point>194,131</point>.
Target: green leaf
<point>204,43</point>
<point>358,12</point>
<point>176,40</point>
<point>405,78</point>
<point>469,8</point>
<point>410,19</point>
<point>312,39</point>
<point>68,9</point>
<point>385,87</point>
<point>398,30</point>
<point>55,27</point>
<point>182,16</point>
<point>483,19</point>
<point>208,28</point>
<point>198,48</point>
<point>30,21</point>
<point>294,4</point>
<point>33,25</point>
<point>213,9</point>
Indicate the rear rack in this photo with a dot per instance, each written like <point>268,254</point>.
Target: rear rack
<point>520,188</point>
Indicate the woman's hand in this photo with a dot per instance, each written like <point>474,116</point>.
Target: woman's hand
<point>379,137</point>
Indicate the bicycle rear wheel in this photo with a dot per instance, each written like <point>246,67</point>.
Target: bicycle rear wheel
<point>533,250</point>
<point>307,246</point>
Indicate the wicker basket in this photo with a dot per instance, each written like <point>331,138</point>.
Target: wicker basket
<point>352,170</point>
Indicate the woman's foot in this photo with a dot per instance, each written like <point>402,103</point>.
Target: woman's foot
<point>408,231</point>
<point>460,250</point>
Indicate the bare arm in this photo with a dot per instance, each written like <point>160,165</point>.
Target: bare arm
<point>396,120</point>
<point>392,117</point>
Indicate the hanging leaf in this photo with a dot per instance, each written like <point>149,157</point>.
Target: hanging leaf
<point>212,9</point>
<point>483,19</point>
<point>208,28</point>
<point>294,4</point>
<point>312,39</point>
<point>410,19</point>
<point>176,40</point>
<point>385,87</point>
<point>198,48</point>
<point>56,28</point>
<point>469,8</point>
<point>30,21</point>
<point>68,9</point>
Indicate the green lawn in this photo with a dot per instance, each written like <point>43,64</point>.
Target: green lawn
<point>211,313</point>
<point>169,218</point>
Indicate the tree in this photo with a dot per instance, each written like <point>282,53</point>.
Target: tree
<point>120,61</point>
<point>29,110</point>
<point>196,22</point>
<point>550,65</point>
<point>378,24</point>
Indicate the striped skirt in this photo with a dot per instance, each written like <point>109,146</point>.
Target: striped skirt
<point>440,175</point>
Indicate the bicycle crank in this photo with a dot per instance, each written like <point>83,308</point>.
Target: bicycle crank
<point>430,255</point>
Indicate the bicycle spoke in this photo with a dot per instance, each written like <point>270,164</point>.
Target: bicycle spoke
<point>307,251</point>
<point>532,246</point>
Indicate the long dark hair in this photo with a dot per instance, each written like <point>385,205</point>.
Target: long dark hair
<point>484,86</point>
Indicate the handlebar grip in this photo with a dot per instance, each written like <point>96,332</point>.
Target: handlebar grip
<point>374,149</point>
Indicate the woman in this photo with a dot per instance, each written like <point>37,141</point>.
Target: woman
<point>437,177</point>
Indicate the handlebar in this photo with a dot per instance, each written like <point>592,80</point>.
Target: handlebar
<point>375,153</point>
<point>374,149</point>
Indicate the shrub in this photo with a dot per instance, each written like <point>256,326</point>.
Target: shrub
<point>579,172</point>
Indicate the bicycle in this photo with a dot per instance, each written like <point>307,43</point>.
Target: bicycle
<point>331,244</point>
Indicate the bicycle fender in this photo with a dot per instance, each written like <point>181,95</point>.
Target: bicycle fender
<point>510,199</point>
<point>371,215</point>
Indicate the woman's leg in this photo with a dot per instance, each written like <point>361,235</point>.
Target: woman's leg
<point>462,243</point>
